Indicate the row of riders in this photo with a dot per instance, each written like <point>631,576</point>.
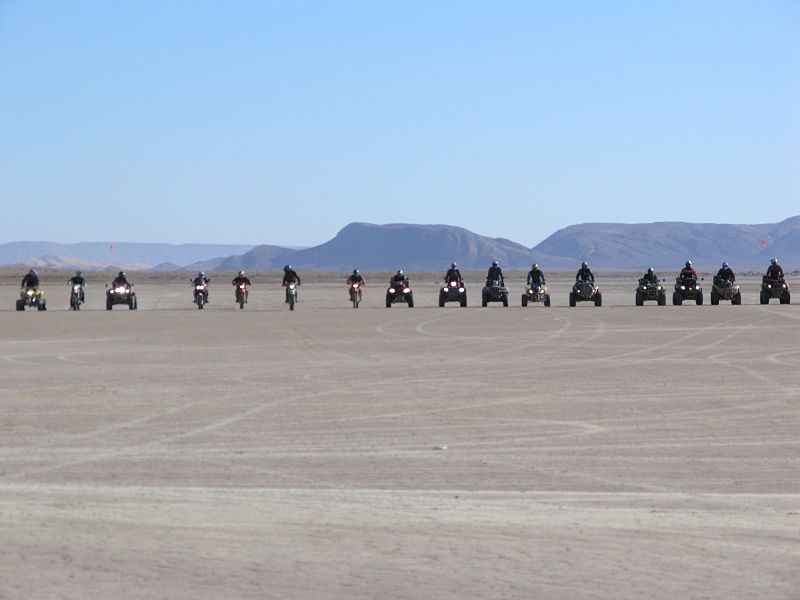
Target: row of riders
<point>31,293</point>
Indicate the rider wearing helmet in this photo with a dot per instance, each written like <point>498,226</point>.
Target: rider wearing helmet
<point>453,274</point>
<point>495,273</point>
<point>584,273</point>
<point>726,273</point>
<point>121,281</point>
<point>201,279</point>
<point>688,271</point>
<point>240,278</point>
<point>535,275</point>
<point>399,278</point>
<point>78,279</point>
<point>290,276</point>
<point>356,277</point>
<point>31,280</point>
<point>650,276</point>
<point>775,271</point>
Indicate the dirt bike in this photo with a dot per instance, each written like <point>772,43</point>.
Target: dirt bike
<point>291,295</point>
<point>76,297</point>
<point>355,294</point>
<point>200,294</point>
<point>241,295</point>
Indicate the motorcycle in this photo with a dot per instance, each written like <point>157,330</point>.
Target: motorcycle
<point>291,295</point>
<point>355,294</point>
<point>76,297</point>
<point>200,294</point>
<point>241,295</point>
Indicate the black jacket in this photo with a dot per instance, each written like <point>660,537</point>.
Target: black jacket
<point>726,274</point>
<point>121,281</point>
<point>494,274</point>
<point>290,276</point>
<point>77,281</point>
<point>31,280</point>
<point>453,275</point>
<point>584,275</point>
<point>535,277</point>
<point>650,277</point>
<point>240,279</point>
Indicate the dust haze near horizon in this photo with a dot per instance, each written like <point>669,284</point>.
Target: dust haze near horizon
<point>279,123</point>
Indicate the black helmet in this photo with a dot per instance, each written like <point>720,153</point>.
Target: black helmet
<point>121,274</point>
<point>774,261</point>
<point>287,268</point>
<point>201,274</point>
<point>32,271</point>
<point>495,263</point>
<point>535,266</point>
<point>355,271</point>
<point>453,265</point>
<point>584,265</point>
<point>688,264</point>
<point>241,273</point>
<point>77,273</point>
<point>725,265</point>
<point>400,272</point>
<point>650,270</point>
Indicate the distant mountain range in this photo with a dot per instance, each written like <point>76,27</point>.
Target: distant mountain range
<point>430,247</point>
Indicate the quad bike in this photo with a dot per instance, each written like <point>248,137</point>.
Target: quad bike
<point>31,298</point>
<point>355,294</point>
<point>76,297</point>
<point>648,290</point>
<point>585,291</point>
<point>725,289</point>
<point>122,294</point>
<point>536,293</point>
<point>453,291</point>
<point>774,288</point>
<point>687,288</point>
<point>396,293</point>
<point>241,295</point>
<point>200,294</point>
<point>494,291</point>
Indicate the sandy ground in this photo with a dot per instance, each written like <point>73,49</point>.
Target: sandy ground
<point>614,452</point>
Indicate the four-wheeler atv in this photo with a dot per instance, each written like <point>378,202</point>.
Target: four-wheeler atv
<point>121,295</point>
<point>687,289</point>
<point>648,290</point>
<point>494,291</point>
<point>32,297</point>
<point>453,291</point>
<point>774,288</point>
<point>536,293</point>
<point>725,289</point>
<point>585,291</point>
<point>399,292</point>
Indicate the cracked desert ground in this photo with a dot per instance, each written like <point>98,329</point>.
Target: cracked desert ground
<point>569,453</point>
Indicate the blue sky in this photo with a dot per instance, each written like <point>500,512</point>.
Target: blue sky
<point>280,122</point>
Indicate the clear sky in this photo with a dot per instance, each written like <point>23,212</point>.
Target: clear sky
<point>282,121</point>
